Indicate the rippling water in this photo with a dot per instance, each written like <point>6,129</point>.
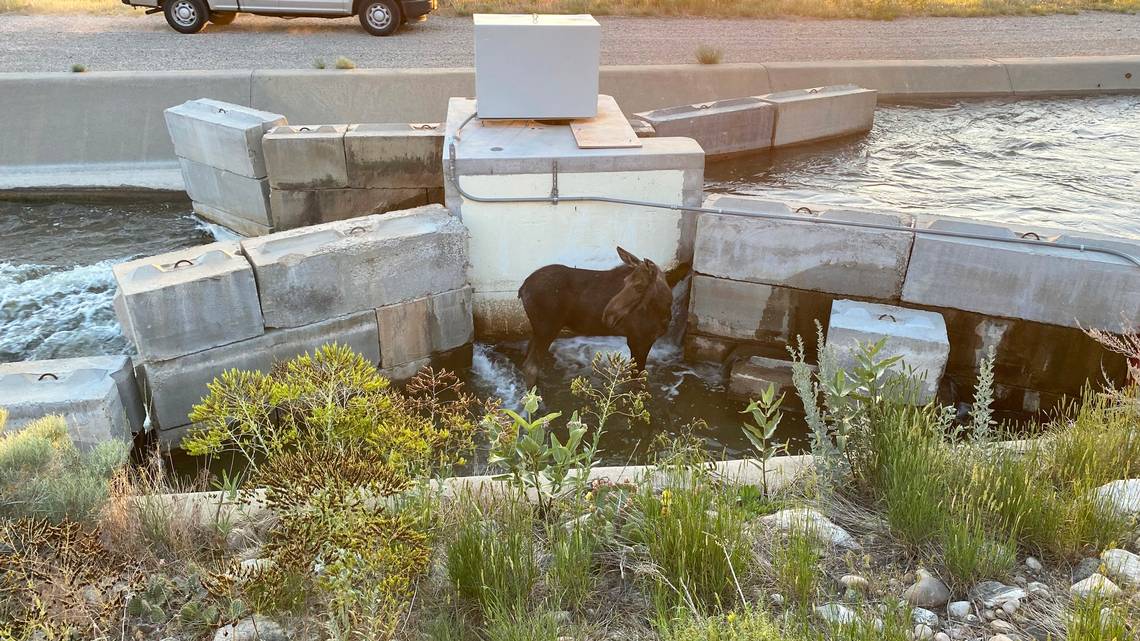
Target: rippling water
<point>1072,163</point>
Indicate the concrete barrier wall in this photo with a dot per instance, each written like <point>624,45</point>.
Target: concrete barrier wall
<point>108,118</point>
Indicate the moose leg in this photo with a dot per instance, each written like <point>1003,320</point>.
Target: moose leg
<point>536,352</point>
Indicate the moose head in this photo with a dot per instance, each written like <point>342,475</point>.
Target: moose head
<point>631,300</point>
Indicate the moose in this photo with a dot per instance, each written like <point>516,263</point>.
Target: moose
<point>631,300</point>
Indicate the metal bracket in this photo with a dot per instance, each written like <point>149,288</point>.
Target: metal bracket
<point>554,183</point>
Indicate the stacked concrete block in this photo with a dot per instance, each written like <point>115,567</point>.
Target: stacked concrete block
<point>306,157</point>
<point>223,164</point>
<point>334,269</point>
<point>723,127</point>
<point>1051,285</point>
<point>187,301</point>
<point>801,251</point>
<point>412,332</point>
<point>918,337</point>
<point>808,115</point>
<point>509,240</point>
<point>174,386</point>
<point>97,396</point>
<point>294,208</point>
<point>395,156</point>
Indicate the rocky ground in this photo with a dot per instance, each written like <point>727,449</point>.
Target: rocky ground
<point>137,42</point>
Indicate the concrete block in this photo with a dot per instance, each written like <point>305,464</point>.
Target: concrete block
<point>919,337</point>
<point>536,66</point>
<point>303,208</point>
<point>819,113</point>
<point>221,135</point>
<point>1077,74</point>
<point>395,155</point>
<point>511,240</point>
<point>87,397</point>
<point>642,129</point>
<point>897,79</point>
<point>739,310</point>
<point>306,157</point>
<point>848,261</point>
<point>450,322</point>
<point>1045,284</point>
<point>306,275</point>
<point>405,332</point>
<point>187,301</point>
<point>707,348</point>
<point>750,377</point>
<point>646,87</point>
<point>175,386</point>
<point>236,195</point>
<point>234,223</point>
<point>119,368</point>
<point>722,127</point>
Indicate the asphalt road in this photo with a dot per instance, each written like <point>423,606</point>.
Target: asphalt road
<point>138,42</point>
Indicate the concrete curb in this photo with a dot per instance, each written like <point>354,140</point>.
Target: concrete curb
<point>113,120</point>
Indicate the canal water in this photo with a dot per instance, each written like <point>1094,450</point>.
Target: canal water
<point>1068,163</point>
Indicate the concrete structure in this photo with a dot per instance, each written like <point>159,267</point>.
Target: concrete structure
<point>536,66</point>
<point>187,301</point>
<point>412,332</point>
<point>867,263</point>
<point>235,197</point>
<point>819,113</point>
<point>60,134</point>
<point>174,386</point>
<point>221,134</point>
<point>306,157</point>
<point>303,208</point>
<point>310,274</point>
<point>721,127</point>
<point>395,156</point>
<point>918,337</point>
<point>1064,287</point>
<point>534,160</point>
<point>751,376</point>
<point>95,395</point>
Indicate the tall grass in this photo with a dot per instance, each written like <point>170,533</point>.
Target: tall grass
<point>571,575</point>
<point>491,560</point>
<point>795,565</point>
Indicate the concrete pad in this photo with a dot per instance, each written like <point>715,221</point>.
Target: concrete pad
<point>306,275</point>
<point>739,310</point>
<point>239,196</point>
<point>221,134</point>
<point>306,157</point>
<point>897,79</point>
<point>721,127</point>
<point>395,155</point>
<point>1048,285</point>
<point>88,398</point>
<point>119,368</point>
<point>303,208</point>
<point>176,385</point>
<point>1078,74</point>
<point>848,261</point>
<point>919,337</point>
<point>820,113</point>
<point>405,332</point>
<point>751,377</point>
<point>187,301</point>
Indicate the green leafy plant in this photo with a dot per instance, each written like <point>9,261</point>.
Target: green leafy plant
<point>981,412</point>
<point>749,623</point>
<point>766,417</point>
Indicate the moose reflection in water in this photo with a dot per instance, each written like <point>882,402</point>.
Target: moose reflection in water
<point>632,300</point>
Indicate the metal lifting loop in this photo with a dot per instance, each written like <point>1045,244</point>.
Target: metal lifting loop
<point>805,210</point>
<point>890,316</point>
<point>47,374</point>
<point>357,230</point>
<point>299,129</point>
<point>1034,234</point>
<point>185,262</point>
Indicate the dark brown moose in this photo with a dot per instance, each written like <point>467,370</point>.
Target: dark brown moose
<point>631,300</point>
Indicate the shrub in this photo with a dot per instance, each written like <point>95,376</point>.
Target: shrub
<point>345,63</point>
<point>42,474</point>
<point>708,55</point>
<point>746,624</point>
<point>490,562</point>
<point>319,63</point>
<point>78,68</point>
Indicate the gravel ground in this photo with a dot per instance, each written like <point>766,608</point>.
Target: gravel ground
<point>138,42</point>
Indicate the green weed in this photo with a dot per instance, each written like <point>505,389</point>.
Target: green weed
<point>490,562</point>
<point>795,563</point>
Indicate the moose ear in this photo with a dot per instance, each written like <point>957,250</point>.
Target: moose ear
<point>626,300</point>
<point>628,258</point>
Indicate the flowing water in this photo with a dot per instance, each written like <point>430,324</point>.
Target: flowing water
<point>1072,163</point>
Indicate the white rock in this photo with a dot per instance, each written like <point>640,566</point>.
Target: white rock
<point>941,636</point>
<point>994,593</point>
<point>854,582</point>
<point>1011,606</point>
<point>922,616</point>
<point>1095,584</point>
<point>927,592</point>
<point>777,599</point>
<point>1123,496</point>
<point>923,632</point>
<point>1122,566</point>
<point>1003,627</point>
<point>959,610</point>
<point>1033,564</point>
<point>1038,590</point>
<point>252,629</point>
<point>812,522</point>
<point>1000,637</point>
<point>836,613</point>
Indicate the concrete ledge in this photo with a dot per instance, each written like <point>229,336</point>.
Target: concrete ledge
<point>895,79</point>
<point>1089,74</point>
<point>160,177</point>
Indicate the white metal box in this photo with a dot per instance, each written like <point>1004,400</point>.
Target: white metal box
<point>536,66</point>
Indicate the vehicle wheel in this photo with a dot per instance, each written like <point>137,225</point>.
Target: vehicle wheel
<point>186,16</point>
<point>380,17</point>
<point>222,18</point>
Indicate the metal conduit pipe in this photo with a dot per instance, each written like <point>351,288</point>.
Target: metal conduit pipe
<point>555,199</point>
